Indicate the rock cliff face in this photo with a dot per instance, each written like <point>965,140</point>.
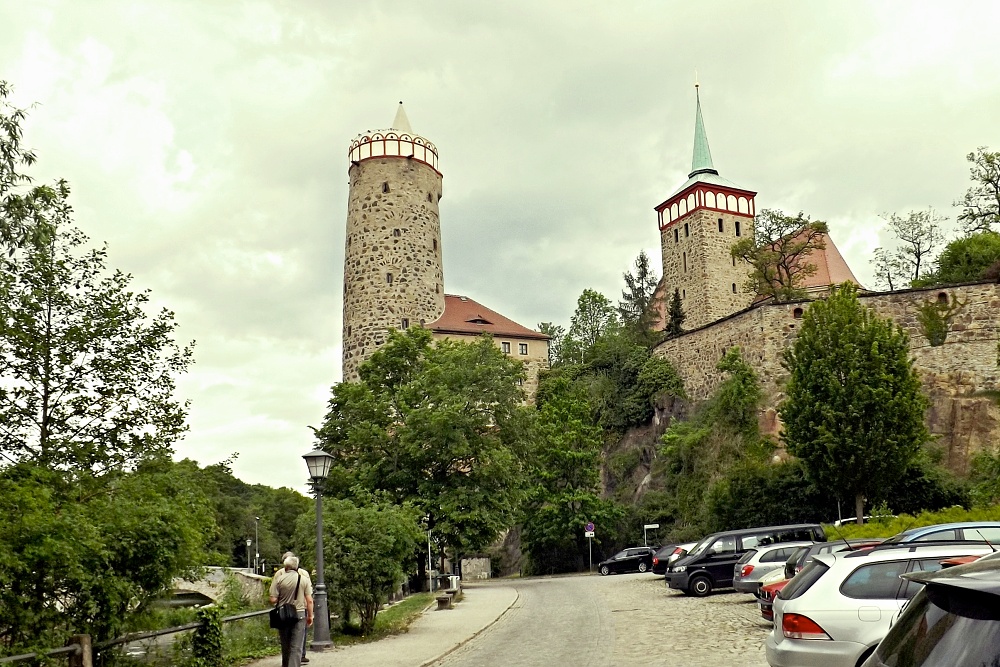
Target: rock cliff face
<point>961,377</point>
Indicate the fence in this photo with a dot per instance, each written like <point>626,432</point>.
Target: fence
<point>82,652</point>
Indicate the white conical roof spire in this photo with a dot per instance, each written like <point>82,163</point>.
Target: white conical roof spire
<point>401,122</point>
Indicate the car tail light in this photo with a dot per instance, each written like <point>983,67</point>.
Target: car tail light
<point>747,569</point>
<point>677,551</point>
<point>797,626</point>
<point>655,560</point>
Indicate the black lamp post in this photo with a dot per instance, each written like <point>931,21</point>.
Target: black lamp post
<point>319,462</point>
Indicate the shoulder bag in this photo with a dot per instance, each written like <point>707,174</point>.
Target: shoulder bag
<point>286,615</point>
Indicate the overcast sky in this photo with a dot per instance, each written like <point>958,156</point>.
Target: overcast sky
<point>206,142</point>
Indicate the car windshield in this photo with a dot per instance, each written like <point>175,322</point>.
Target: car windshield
<point>944,627</point>
<point>701,546</point>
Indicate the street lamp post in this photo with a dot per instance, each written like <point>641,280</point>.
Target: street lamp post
<point>256,545</point>
<point>318,463</point>
<point>248,552</point>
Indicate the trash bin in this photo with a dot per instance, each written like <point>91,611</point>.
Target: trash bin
<point>454,582</point>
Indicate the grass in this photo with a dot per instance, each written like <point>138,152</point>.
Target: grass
<point>392,621</point>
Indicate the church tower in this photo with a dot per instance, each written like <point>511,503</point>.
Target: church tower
<point>699,224</point>
<point>393,275</point>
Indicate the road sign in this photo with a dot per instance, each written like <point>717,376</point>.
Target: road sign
<point>651,526</point>
<point>590,526</point>
<point>589,533</point>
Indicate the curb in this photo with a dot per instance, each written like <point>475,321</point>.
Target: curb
<point>428,663</point>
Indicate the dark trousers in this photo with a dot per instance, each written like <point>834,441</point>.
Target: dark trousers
<point>292,639</point>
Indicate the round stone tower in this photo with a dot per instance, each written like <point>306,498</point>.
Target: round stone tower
<point>393,276</point>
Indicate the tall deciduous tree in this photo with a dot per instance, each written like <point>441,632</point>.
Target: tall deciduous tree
<point>853,411</point>
<point>918,238</point>
<point>557,335</point>
<point>981,203</point>
<point>967,259</point>
<point>440,425</point>
<point>594,317</point>
<point>778,253</point>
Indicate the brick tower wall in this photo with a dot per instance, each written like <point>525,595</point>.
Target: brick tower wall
<point>712,285</point>
<point>393,229</point>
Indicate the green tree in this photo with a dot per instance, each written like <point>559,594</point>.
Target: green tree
<point>593,318</point>
<point>367,551</point>
<point>91,376</point>
<point>981,203</point>
<point>566,489</point>
<point>853,411</point>
<point>440,425</point>
<point>967,259</point>
<point>917,238</point>
<point>24,208</point>
<point>637,308</point>
<point>778,253</point>
<point>557,334</point>
<point>675,316</point>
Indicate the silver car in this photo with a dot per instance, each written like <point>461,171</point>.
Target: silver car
<point>760,561</point>
<point>836,610</point>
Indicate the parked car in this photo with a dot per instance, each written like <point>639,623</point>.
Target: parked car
<point>953,622</point>
<point>973,531</point>
<point>709,564</point>
<point>798,560</point>
<point>665,556</point>
<point>755,563</point>
<point>834,612</point>
<point>633,559</point>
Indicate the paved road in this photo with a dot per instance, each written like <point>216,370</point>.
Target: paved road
<point>617,620</point>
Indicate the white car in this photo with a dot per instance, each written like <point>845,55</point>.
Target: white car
<point>836,610</point>
<point>762,560</point>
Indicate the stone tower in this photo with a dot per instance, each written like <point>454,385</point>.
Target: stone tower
<point>699,224</point>
<point>393,275</point>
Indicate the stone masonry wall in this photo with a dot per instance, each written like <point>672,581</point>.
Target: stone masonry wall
<point>393,274</point>
<point>955,375</point>
<point>697,261</point>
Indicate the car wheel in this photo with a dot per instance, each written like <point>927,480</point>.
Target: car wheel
<point>604,570</point>
<point>700,586</point>
<point>642,567</point>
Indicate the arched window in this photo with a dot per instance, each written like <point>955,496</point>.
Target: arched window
<point>942,298</point>
<point>797,313</point>
<point>684,256</point>
<point>385,187</point>
<point>734,288</point>
<point>388,278</point>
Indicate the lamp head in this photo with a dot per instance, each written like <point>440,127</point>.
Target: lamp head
<point>319,463</point>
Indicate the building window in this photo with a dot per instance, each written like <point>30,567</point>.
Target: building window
<point>522,348</point>
<point>397,233</point>
<point>942,298</point>
<point>406,323</point>
<point>734,288</point>
<point>720,224</point>
<point>797,313</point>
<point>388,278</point>
<point>348,330</point>
<point>430,198</point>
<point>437,289</point>
<point>505,347</point>
<point>435,244</point>
<point>677,236</point>
<point>684,256</point>
<point>385,187</point>
<point>687,232</point>
<point>421,321</point>
<point>737,227</point>
<point>684,294</point>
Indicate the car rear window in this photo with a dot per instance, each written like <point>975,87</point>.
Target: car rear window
<point>991,535</point>
<point>949,534</point>
<point>944,627</point>
<point>804,580</point>
<point>878,581</point>
<point>746,557</point>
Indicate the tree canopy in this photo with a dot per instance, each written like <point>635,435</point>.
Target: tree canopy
<point>967,259</point>
<point>853,411</point>
<point>918,239</point>
<point>778,253</point>
<point>981,203</point>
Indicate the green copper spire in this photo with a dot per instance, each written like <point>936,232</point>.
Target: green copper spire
<point>701,162</point>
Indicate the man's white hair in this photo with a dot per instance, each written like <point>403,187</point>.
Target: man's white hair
<point>291,562</point>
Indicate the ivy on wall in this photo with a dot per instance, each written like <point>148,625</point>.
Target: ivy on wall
<point>935,317</point>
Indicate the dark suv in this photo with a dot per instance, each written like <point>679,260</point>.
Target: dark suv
<point>953,622</point>
<point>709,564</point>
<point>633,559</point>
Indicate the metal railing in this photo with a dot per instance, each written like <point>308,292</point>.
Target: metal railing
<point>71,650</point>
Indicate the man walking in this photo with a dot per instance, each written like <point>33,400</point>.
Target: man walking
<point>290,585</point>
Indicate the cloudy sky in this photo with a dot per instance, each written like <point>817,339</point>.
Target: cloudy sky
<point>206,143</point>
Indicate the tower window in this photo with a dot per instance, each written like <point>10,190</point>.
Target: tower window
<point>684,294</point>
<point>942,298</point>
<point>734,288</point>
<point>797,313</point>
<point>388,278</point>
<point>505,347</point>
<point>684,256</point>
<point>406,323</point>
<point>435,244</point>
<point>734,260</point>
<point>737,227</point>
<point>385,187</point>
<point>421,321</point>
<point>687,232</point>
<point>397,233</point>
<point>676,236</point>
<point>522,348</point>
<point>720,224</point>
<point>348,329</point>
<point>430,198</point>
<point>437,289</point>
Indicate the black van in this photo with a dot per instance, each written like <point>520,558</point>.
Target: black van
<point>709,564</point>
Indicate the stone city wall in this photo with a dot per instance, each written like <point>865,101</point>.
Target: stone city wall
<point>957,375</point>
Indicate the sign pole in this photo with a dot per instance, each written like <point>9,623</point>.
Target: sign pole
<point>590,549</point>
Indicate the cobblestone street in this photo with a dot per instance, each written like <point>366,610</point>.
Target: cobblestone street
<point>618,620</point>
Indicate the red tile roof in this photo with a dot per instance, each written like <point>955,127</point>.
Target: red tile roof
<point>462,315</point>
<point>831,269</point>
